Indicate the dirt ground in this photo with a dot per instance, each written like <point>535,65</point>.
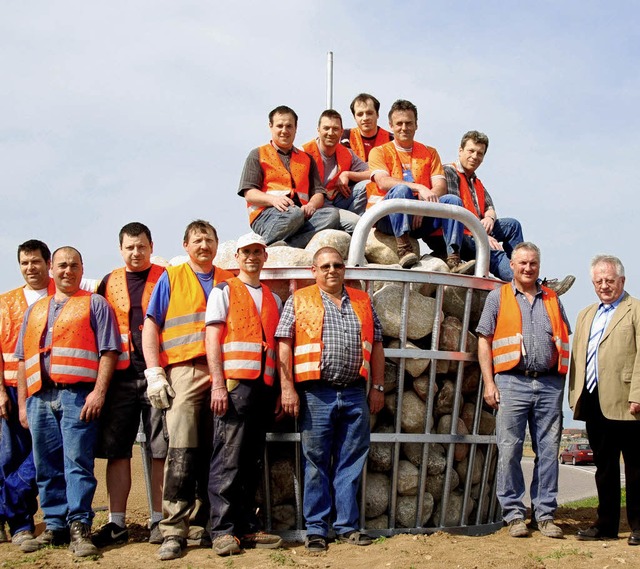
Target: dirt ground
<point>400,552</point>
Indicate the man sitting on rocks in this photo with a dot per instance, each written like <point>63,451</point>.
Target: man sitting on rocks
<point>404,168</point>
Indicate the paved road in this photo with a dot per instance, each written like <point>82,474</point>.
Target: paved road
<point>575,482</point>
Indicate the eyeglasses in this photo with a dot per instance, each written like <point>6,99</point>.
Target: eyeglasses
<point>329,266</point>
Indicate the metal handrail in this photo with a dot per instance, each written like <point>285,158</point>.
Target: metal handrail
<point>428,209</point>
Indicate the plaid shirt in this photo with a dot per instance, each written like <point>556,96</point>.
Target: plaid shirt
<point>342,345</point>
<point>453,187</point>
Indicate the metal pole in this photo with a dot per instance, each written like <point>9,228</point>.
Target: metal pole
<point>330,80</point>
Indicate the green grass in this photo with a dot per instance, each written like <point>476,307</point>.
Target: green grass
<point>561,553</point>
<point>281,558</point>
<point>593,502</point>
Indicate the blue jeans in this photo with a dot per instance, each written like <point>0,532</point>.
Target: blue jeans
<point>18,490</point>
<point>291,225</point>
<point>351,208</point>
<point>400,223</point>
<point>537,402</point>
<point>63,452</point>
<point>507,231</point>
<point>335,443</point>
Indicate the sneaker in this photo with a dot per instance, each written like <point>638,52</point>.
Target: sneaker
<point>46,538</point>
<point>559,286</point>
<point>261,540</point>
<point>226,544</point>
<point>517,528</point>
<point>171,548</point>
<point>81,545</point>
<point>155,535</point>
<point>549,529</point>
<point>110,534</point>
<point>20,537</point>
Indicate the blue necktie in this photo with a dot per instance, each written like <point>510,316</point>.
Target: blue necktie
<point>597,329</point>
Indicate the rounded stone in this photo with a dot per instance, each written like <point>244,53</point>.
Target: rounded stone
<point>421,309</point>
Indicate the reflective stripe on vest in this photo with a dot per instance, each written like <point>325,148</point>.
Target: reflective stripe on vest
<point>422,158</point>
<point>248,333</point>
<point>507,346</point>
<point>278,181</point>
<point>309,317</point>
<point>73,351</point>
<point>343,160</point>
<point>13,305</point>
<point>182,335</point>
<point>117,293</point>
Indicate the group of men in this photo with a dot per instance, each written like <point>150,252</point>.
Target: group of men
<point>328,183</point>
<point>193,352</point>
<point>523,350</point>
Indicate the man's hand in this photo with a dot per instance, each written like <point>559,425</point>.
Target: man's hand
<point>5,404</point>
<point>494,244</point>
<point>376,400</point>
<point>219,400</point>
<point>92,406</point>
<point>425,193</point>
<point>487,223</point>
<point>416,221</point>
<point>634,408</point>
<point>282,203</point>
<point>491,394</point>
<point>158,389</point>
<point>342,184</point>
<point>22,417</point>
<point>308,210</point>
<point>290,401</point>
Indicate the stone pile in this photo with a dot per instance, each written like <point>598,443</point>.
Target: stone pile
<point>428,398</point>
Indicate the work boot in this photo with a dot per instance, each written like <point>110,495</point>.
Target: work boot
<point>20,537</point>
<point>81,545</point>
<point>559,286</point>
<point>405,252</point>
<point>46,538</point>
<point>457,265</point>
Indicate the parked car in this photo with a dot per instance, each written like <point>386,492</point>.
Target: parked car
<point>577,453</point>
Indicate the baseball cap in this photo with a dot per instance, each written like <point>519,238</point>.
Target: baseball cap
<point>250,239</point>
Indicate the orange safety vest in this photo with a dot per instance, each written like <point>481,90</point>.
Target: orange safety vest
<point>278,181</point>
<point>357,145</point>
<point>343,158</point>
<point>421,160</point>
<point>74,350</point>
<point>507,346</point>
<point>117,293</point>
<point>309,316</point>
<point>13,305</point>
<point>182,336</point>
<point>248,333</point>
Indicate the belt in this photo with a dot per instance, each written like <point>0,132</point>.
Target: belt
<point>536,374</point>
<point>55,385</point>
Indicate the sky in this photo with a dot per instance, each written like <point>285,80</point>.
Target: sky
<point>146,110</point>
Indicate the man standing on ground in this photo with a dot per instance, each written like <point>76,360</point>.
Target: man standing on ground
<point>282,188</point>
<point>339,170</point>
<point>67,351</point>
<point>173,337</point>
<point>504,233</point>
<point>18,489</point>
<point>406,169</point>
<point>128,290</point>
<point>330,349</point>
<point>604,391</point>
<point>242,315</point>
<point>523,349</point>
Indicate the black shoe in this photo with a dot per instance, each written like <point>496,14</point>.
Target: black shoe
<point>593,534</point>
<point>81,545</point>
<point>634,538</point>
<point>110,534</point>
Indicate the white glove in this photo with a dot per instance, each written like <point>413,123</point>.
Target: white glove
<point>158,389</point>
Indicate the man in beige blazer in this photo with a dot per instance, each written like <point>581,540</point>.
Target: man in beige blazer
<point>604,391</point>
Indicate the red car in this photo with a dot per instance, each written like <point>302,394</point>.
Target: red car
<point>577,453</point>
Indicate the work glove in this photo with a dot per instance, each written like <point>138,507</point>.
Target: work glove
<point>158,389</point>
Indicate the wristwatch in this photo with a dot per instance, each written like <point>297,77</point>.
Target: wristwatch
<point>378,386</point>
